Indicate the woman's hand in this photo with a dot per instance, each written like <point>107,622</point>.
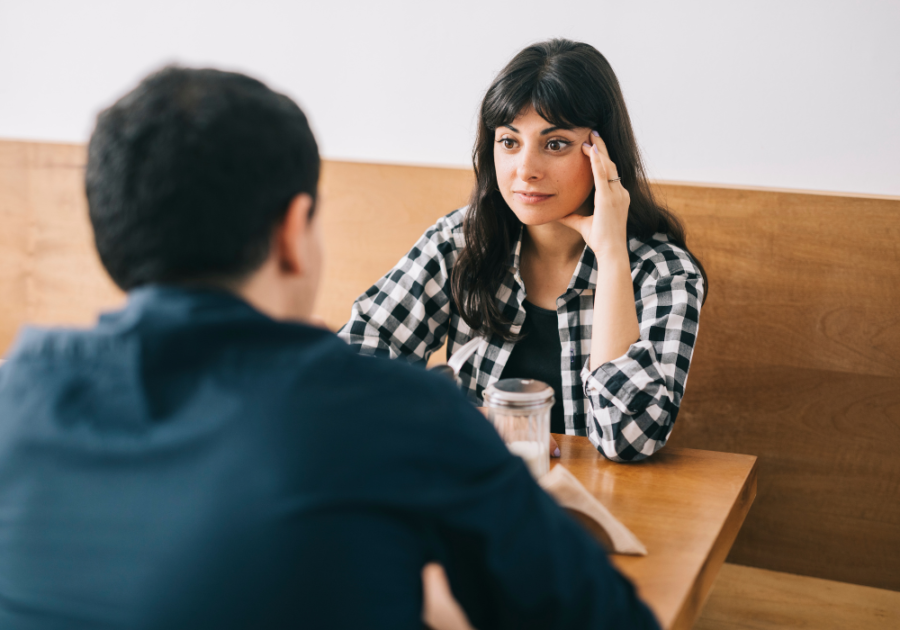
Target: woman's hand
<point>615,324</point>
<point>605,230</point>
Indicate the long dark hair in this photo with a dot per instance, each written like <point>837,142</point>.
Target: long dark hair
<point>569,84</point>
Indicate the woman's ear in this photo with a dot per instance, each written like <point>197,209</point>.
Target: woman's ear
<point>291,239</point>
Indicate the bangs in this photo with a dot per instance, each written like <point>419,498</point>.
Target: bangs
<point>564,102</point>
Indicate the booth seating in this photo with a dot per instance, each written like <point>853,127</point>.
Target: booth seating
<point>797,362</point>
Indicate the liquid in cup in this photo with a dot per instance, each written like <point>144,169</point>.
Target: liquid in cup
<point>536,455</point>
<point>520,411</point>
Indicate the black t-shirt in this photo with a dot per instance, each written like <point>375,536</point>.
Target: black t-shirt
<point>538,356</point>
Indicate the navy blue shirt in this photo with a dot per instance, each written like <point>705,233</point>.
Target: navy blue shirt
<point>190,462</point>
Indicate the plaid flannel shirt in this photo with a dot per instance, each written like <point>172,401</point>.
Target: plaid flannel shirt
<point>626,407</point>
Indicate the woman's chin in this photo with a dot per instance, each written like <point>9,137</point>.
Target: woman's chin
<point>536,216</point>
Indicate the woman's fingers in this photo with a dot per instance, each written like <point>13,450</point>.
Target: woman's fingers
<point>609,167</point>
<point>608,224</point>
<point>579,223</point>
<point>598,142</point>
<point>597,167</point>
<point>611,171</point>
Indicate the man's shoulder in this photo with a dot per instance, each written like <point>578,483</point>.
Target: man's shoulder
<point>256,346</point>
<point>306,364</point>
<point>60,344</point>
<point>395,380</point>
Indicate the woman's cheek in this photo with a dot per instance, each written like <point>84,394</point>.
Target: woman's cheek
<point>584,184</point>
<point>502,168</point>
<point>504,181</point>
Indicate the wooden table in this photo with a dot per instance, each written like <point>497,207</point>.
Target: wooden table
<point>684,504</point>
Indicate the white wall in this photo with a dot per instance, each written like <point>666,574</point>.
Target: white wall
<point>797,94</point>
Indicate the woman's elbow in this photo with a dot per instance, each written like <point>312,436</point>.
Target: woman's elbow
<point>633,438</point>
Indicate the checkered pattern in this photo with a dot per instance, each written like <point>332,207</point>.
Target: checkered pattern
<point>626,407</point>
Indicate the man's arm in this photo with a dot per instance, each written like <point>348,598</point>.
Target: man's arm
<point>512,556</point>
<point>514,559</point>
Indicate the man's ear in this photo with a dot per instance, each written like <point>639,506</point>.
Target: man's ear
<point>290,236</point>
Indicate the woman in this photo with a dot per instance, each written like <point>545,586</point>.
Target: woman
<point>563,261</point>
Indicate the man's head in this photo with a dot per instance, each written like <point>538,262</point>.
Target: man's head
<point>207,177</point>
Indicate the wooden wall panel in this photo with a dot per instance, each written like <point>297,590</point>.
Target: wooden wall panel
<point>815,275</point>
<point>372,214</point>
<point>745,598</point>
<point>798,363</point>
<point>14,231</point>
<point>50,274</point>
<point>829,476</point>
<point>49,270</point>
<point>798,359</point>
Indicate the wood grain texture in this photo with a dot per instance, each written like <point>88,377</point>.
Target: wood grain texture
<point>797,280</point>
<point>798,356</point>
<point>49,270</point>
<point>685,505</point>
<point>372,214</point>
<point>746,598</point>
<point>829,477</point>
<point>798,362</point>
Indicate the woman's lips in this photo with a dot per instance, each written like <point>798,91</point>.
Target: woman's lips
<point>531,197</point>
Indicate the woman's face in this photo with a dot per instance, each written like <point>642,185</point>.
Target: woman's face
<point>542,172</point>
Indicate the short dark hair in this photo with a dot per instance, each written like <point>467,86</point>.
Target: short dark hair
<point>189,174</point>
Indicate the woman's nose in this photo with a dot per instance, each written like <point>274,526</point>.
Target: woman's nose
<point>529,168</point>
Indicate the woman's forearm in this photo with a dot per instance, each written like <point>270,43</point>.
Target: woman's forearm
<point>615,323</point>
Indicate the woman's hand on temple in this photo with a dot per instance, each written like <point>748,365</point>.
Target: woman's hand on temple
<point>615,325</point>
<point>604,231</point>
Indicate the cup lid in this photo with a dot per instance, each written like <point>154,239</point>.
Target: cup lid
<point>522,391</point>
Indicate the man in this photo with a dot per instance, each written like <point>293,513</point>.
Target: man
<point>204,458</point>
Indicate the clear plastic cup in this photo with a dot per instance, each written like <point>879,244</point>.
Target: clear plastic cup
<point>519,409</point>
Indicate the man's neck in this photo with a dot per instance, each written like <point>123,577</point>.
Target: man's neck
<point>271,293</point>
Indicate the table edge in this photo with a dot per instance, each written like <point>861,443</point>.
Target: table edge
<point>702,586</point>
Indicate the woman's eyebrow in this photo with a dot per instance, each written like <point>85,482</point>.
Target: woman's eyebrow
<point>543,133</point>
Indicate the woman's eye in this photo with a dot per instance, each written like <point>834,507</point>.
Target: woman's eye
<point>508,143</point>
<point>557,145</point>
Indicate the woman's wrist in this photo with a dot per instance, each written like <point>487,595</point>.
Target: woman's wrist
<point>615,324</point>
<point>610,251</point>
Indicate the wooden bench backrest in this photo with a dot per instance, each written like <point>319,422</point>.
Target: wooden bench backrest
<point>798,360</point>
<point>50,273</point>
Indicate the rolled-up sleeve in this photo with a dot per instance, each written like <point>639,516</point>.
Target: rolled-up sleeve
<point>635,398</point>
